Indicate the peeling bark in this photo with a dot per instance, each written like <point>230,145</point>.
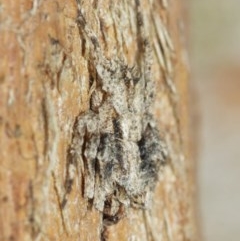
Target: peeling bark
<point>46,84</point>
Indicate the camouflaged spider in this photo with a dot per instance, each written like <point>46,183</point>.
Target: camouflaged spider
<point>116,141</point>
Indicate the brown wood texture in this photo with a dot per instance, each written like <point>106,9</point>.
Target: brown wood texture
<point>44,85</point>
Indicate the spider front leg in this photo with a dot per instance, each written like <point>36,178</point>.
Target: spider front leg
<point>87,132</point>
<point>82,154</point>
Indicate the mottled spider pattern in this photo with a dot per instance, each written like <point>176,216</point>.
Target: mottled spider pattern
<point>116,141</point>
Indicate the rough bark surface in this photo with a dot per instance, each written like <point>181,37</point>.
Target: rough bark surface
<point>45,84</point>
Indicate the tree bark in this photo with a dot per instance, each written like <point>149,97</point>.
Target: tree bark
<point>45,82</point>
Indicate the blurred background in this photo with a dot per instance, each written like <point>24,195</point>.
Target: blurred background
<point>215,60</point>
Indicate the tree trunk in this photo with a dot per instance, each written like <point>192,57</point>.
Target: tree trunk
<point>63,61</point>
